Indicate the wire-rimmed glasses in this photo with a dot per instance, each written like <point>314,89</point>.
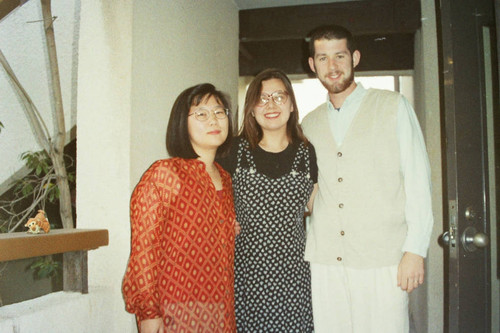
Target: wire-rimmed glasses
<point>279,97</point>
<point>202,114</point>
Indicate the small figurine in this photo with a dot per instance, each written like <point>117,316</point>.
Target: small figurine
<point>38,223</point>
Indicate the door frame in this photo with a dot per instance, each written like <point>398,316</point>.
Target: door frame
<point>466,184</point>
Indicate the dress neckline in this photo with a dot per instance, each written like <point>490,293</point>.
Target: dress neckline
<point>288,147</point>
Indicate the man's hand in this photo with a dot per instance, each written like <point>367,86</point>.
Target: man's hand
<point>410,271</point>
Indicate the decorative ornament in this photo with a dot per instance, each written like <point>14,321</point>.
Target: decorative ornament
<point>38,224</point>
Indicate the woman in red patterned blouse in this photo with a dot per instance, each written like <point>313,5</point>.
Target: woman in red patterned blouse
<point>180,273</point>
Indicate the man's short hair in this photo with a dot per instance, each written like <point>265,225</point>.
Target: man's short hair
<point>331,32</point>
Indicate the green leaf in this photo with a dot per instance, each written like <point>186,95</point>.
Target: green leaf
<point>45,267</point>
<point>36,264</point>
<point>52,196</point>
<point>27,189</point>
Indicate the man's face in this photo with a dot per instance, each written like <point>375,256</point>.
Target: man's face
<point>334,64</point>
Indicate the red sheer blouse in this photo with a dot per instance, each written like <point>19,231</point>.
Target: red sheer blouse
<point>182,249</point>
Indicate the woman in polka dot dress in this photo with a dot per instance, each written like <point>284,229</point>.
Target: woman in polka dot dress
<point>274,173</point>
<point>180,275</point>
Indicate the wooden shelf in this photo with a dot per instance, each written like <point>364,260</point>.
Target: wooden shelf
<point>20,245</point>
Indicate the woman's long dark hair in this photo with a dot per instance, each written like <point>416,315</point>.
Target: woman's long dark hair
<point>251,130</point>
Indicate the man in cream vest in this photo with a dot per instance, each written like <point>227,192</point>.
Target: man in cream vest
<point>372,217</point>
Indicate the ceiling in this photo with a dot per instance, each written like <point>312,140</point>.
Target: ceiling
<point>252,4</point>
<point>273,32</point>
<point>6,6</point>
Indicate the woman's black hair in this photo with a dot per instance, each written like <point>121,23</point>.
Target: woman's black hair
<point>178,141</point>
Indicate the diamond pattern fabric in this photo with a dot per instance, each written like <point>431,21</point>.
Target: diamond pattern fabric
<point>182,249</point>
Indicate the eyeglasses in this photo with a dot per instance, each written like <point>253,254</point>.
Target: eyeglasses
<point>279,97</point>
<point>203,114</point>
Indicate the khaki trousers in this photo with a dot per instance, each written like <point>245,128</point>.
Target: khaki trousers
<point>358,300</point>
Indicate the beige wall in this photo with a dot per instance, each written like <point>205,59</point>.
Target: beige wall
<point>176,44</point>
<point>427,304</point>
<point>103,146</point>
<point>148,52</point>
<point>135,57</point>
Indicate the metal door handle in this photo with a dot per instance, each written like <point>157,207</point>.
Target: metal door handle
<point>472,239</point>
<point>446,238</point>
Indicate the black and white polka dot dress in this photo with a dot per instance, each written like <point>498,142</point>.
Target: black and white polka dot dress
<point>272,280</point>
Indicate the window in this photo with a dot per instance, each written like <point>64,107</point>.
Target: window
<point>310,93</point>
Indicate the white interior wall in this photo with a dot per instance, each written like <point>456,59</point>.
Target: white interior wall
<point>135,57</point>
<point>427,303</point>
<point>148,53</point>
<point>190,42</point>
<point>103,147</point>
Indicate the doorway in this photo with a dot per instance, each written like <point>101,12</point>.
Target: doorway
<point>469,103</point>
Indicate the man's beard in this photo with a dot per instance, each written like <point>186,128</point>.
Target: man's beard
<point>341,86</point>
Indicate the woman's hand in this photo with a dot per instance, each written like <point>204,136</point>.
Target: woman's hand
<point>152,326</point>
<point>310,203</point>
<point>237,228</point>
